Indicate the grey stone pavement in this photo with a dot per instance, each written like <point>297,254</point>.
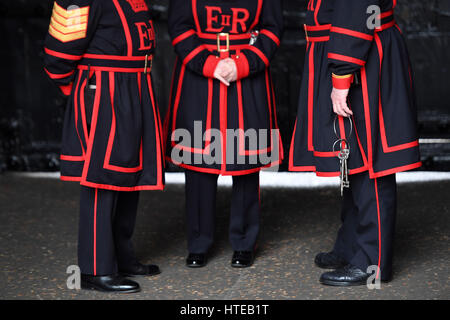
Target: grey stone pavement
<point>38,235</point>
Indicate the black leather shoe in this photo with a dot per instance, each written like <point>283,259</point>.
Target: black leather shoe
<point>196,260</point>
<point>345,277</point>
<point>139,269</point>
<point>110,283</point>
<point>242,259</point>
<point>328,260</point>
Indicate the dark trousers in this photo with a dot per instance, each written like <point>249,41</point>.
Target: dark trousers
<point>107,220</point>
<point>201,189</point>
<point>369,210</point>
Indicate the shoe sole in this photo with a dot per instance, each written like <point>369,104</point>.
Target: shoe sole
<point>95,288</point>
<point>342,283</point>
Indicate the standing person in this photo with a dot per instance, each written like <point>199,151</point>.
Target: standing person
<point>222,83</point>
<point>360,60</point>
<point>100,55</point>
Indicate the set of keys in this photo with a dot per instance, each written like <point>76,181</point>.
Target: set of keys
<point>343,155</point>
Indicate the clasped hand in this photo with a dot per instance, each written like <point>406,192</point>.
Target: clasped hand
<point>226,71</point>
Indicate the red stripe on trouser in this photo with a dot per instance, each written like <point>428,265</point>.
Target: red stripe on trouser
<point>95,232</point>
<point>379,227</point>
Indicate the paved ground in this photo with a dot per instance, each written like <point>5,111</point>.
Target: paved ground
<point>38,230</point>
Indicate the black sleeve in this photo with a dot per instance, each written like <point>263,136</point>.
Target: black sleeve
<point>189,48</point>
<point>72,26</point>
<point>351,35</point>
<point>271,26</point>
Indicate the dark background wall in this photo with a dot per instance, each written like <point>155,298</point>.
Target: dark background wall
<point>31,108</point>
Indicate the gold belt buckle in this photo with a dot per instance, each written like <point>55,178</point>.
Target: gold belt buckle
<point>219,47</point>
<point>147,68</point>
<point>306,33</point>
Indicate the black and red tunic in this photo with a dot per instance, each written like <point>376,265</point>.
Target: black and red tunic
<point>348,38</point>
<point>99,52</point>
<point>203,32</point>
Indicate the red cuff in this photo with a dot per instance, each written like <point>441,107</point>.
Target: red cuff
<point>210,66</point>
<point>66,90</point>
<point>243,68</point>
<point>342,82</point>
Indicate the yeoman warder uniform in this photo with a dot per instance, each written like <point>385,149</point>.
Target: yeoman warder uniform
<point>346,47</point>
<point>100,54</point>
<point>203,33</point>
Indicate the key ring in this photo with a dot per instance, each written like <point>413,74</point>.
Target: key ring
<point>335,128</point>
<point>343,142</point>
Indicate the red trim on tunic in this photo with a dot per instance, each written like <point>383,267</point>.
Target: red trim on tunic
<point>257,16</point>
<point>352,33</point>
<point>183,37</point>
<point>124,189</point>
<point>72,158</point>
<point>221,172</point>
<point>193,53</point>
<point>342,83</point>
<point>337,174</point>
<point>388,172</point>
<point>112,134</point>
<point>260,54</point>
<point>311,97</point>
<point>281,149</point>
<point>113,57</point>
<point>269,100</point>
<point>70,179</point>
<point>363,153</point>
<point>366,104</point>
<point>316,11</point>
<point>158,135</point>
<point>213,36</point>
<point>386,26</point>
<point>210,66</point>
<point>55,76</point>
<point>83,180</point>
<point>386,14</point>
<point>386,147</point>
<point>167,117</point>
<point>291,149</point>
<point>83,110</point>
<point>206,150</point>
<point>139,81</point>
<point>318,27</point>
<point>243,67</point>
<point>341,57</point>
<point>76,113</point>
<point>195,15</point>
<point>223,116</point>
<point>242,150</point>
<point>111,69</point>
<point>66,90</point>
<point>271,36</point>
<point>90,143</point>
<point>319,39</point>
<point>369,136</point>
<point>61,55</point>
<point>126,28</point>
